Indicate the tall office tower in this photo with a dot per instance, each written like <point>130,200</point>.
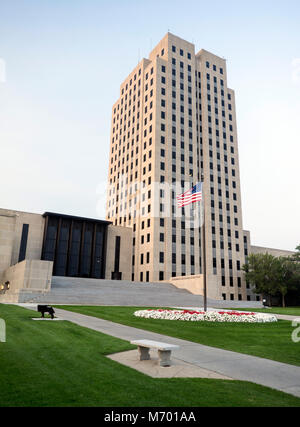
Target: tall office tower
<point>173,126</point>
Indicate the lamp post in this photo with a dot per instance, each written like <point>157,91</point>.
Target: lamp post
<point>204,249</point>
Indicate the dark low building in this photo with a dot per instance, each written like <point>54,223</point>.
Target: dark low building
<point>77,246</point>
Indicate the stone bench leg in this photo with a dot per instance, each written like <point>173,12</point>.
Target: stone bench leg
<point>144,353</point>
<point>164,357</point>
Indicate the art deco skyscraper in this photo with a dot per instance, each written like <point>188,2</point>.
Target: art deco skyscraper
<point>174,125</point>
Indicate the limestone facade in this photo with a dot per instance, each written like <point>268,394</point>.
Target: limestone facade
<point>11,226</point>
<point>173,125</point>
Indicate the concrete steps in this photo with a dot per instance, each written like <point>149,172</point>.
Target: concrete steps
<point>68,290</point>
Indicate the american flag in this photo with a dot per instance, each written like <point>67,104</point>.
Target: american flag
<point>193,195</point>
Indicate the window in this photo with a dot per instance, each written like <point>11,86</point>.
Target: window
<point>161,257</point>
<point>161,237</point>
<point>161,275</point>
<point>173,48</point>
<point>23,245</point>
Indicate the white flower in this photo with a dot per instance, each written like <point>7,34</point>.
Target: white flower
<point>210,316</point>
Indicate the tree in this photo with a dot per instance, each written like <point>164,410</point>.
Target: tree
<point>285,275</point>
<point>296,256</point>
<point>292,266</point>
<point>261,273</point>
<point>271,275</point>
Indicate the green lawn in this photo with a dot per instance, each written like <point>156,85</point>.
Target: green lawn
<point>289,311</point>
<point>268,340</point>
<point>57,363</point>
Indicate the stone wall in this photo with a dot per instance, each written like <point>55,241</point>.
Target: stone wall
<point>193,284</point>
<point>28,275</point>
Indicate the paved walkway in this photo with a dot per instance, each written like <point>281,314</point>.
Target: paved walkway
<point>238,366</point>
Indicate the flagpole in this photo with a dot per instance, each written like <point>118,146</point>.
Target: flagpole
<point>204,250</point>
<point>203,236</point>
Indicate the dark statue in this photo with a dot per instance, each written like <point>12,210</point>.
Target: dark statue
<point>46,309</point>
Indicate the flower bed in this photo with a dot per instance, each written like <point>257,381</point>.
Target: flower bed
<point>209,316</point>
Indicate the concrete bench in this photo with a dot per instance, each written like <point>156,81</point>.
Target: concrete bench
<point>164,350</point>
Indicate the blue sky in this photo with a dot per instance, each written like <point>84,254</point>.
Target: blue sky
<point>64,62</point>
